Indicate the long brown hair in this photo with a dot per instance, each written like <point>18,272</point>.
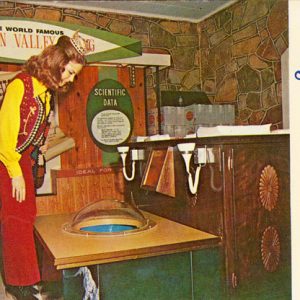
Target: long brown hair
<point>48,66</point>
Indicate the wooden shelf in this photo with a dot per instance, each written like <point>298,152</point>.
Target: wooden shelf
<point>214,140</point>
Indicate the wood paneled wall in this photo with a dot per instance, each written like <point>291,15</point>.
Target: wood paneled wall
<point>72,191</point>
<point>137,94</point>
<point>72,121</point>
<point>72,116</point>
<point>76,191</point>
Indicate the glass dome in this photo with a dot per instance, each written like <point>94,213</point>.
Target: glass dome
<point>108,217</point>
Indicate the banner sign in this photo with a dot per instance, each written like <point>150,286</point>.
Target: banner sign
<point>109,114</point>
<point>22,38</point>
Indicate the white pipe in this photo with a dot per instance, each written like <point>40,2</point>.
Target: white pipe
<point>123,156</point>
<point>132,174</point>
<point>194,185</point>
<point>187,158</point>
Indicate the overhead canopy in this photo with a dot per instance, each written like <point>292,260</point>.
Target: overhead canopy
<point>146,59</point>
<point>21,38</point>
<point>107,45</point>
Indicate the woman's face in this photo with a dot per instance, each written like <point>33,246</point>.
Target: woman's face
<point>68,75</point>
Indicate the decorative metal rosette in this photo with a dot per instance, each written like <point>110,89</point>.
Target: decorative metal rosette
<point>268,187</point>
<point>270,249</point>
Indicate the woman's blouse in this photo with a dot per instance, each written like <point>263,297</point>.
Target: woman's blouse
<point>10,121</point>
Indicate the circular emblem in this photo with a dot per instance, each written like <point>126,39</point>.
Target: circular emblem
<point>268,188</point>
<point>189,115</point>
<point>270,249</point>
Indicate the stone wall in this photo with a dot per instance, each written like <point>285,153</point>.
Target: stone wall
<point>234,55</point>
<point>241,49</point>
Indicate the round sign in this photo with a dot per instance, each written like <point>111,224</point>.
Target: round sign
<point>110,127</point>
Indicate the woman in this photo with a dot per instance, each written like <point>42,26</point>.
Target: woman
<point>24,121</point>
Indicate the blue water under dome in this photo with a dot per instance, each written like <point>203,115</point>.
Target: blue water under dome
<point>108,217</point>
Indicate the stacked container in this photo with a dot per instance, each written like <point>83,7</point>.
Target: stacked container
<point>178,121</point>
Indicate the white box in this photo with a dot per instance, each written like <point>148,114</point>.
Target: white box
<point>217,115</point>
<point>168,115</point>
<point>183,130</point>
<point>179,116</point>
<point>229,114</point>
<point>202,115</point>
<point>168,129</point>
<point>179,131</point>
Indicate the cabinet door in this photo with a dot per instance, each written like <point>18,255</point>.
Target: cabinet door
<point>257,214</point>
<point>229,217</point>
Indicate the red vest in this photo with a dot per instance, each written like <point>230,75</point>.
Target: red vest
<point>34,124</point>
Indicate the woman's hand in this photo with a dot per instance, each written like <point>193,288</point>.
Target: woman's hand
<point>18,188</point>
<point>44,148</point>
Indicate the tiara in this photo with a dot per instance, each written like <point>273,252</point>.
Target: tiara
<point>79,43</point>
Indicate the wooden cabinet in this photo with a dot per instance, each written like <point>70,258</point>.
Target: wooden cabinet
<point>244,197</point>
<point>184,276</point>
<point>256,210</point>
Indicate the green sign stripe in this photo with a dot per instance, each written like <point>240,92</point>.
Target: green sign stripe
<point>117,53</point>
<point>109,158</point>
<point>107,73</point>
<point>11,60</point>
